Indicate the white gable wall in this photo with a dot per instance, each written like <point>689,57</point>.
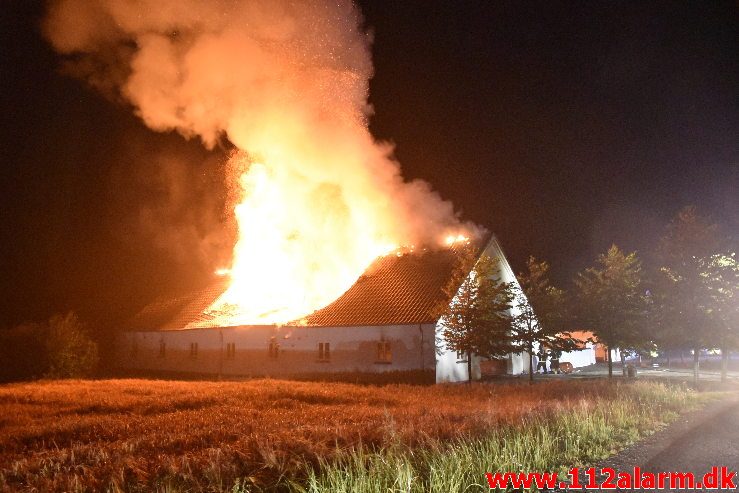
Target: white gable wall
<point>449,368</point>
<point>518,363</point>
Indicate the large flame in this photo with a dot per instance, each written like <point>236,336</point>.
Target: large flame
<point>294,254</point>
<point>318,198</point>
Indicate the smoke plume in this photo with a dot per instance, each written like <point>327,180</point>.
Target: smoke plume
<point>287,83</point>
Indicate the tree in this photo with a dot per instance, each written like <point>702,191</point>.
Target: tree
<point>70,351</point>
<point>476,320</point>
<point>721,281</point>
<point>611,303</point>
<point>690,240</point>
<point>538,313</point>
<point>665,333</point>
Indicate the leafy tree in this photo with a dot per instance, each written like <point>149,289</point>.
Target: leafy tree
<point>611,303</point>
<point>721,280</point>
<point>664,330</point>
<point>539,313</point>
<point>686,249</point>
<point>70,351</point>
<point>476,320</point>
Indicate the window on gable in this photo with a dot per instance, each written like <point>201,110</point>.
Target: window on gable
<point>274,348</point>
<point>230,350</point>
<point>324,351</point>
<point>162,349</point>
<point>193,349</point>
<point>384,353</point>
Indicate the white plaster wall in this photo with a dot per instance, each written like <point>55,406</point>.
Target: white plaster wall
<point>448,367</point>
<point>615,354</point>
<point>353,349</point>
<point>581,358</point>
<point>519,363</point>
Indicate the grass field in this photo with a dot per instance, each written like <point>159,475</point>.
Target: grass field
<point>147,435</point>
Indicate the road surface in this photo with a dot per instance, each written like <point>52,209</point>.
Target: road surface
<point>695,443</point>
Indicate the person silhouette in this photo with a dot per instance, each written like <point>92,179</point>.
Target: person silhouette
<point>542,364</point>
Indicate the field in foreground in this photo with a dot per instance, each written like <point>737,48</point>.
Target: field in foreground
<point>145,435</point>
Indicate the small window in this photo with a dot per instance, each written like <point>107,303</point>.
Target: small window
<point>324,351</point>
<point>193,349</point>
<point>230,350</point>
<point>162,349</point>
<point>461,356</point>
<point>384,353</point>
<point>274,348</point>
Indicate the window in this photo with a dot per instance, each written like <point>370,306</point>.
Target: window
<point>384,354</point>
<point>230,350</point>
<point>193,349</point>
<point>274,348</point>
<point>324,351</point>
<point>162,349</point>
<point>461,356</point>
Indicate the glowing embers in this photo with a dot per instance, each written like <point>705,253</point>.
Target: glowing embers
<point>456,239</point>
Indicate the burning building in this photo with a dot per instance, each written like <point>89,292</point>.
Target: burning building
<point>320,206</point>
<point>384,322</point>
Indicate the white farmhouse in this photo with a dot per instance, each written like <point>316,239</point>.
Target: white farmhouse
<point>383,323</point>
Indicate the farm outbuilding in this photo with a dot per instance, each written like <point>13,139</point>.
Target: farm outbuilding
<point>585,354</point>
<point>384,323</point>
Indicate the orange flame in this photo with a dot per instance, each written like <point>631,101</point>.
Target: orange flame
<point>293,256</point>
<point>297,253</point>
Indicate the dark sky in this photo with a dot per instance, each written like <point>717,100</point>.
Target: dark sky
<point>563,127</point>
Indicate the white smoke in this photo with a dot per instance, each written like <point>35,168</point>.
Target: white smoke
<point>287,83</point>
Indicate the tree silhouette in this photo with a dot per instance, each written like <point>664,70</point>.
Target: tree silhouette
<point>611,303</point>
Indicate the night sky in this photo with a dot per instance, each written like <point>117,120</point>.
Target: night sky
<point>562,127</point>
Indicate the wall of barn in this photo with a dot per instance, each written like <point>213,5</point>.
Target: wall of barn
<point>280,351</point>
<point>584,357</point>
<point>452,367</point>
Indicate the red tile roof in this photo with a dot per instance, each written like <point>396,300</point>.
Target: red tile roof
<point>177,313</point>
<point>397,289</point>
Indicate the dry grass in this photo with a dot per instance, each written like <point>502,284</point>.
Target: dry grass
<point>145,435</point>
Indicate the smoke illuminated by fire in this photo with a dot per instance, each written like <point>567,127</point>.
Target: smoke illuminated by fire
<point>317,198</point>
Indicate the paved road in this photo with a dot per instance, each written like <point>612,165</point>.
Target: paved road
<point>686,374</point>
<point>695,443</point>
<point>714,442</point>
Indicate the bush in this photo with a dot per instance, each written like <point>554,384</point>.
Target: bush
<point>71,353</point>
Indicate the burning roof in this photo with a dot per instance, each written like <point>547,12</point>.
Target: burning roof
<point>397,289</point>
<point>180,312</point>
<point>400,288</point>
